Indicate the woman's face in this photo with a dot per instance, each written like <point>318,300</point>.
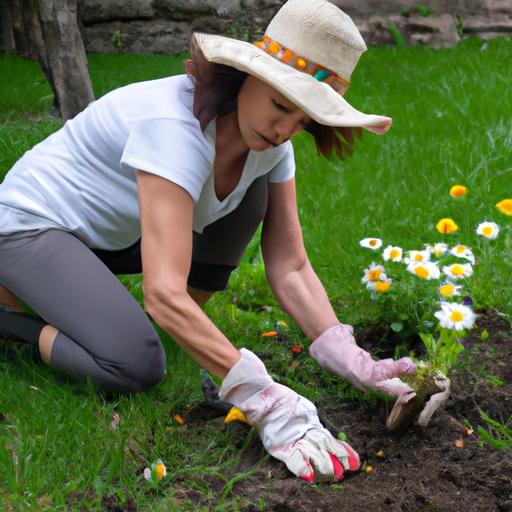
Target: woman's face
<point>266,118</point>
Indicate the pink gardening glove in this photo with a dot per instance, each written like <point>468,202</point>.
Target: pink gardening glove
<point>336,351</point>
<point>287,423</point>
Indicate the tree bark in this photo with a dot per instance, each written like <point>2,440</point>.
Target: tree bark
<point>48,30</point>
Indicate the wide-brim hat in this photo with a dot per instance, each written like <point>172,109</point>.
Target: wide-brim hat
<point>308,54</point>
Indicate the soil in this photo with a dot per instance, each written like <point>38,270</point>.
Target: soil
<point>438,468</point>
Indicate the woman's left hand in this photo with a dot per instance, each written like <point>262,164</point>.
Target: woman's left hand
<point>336,351</point>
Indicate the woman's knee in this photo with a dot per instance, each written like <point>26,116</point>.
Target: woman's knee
<point>145,368</point>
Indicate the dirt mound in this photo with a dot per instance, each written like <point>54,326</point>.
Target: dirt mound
<point>422,469</point>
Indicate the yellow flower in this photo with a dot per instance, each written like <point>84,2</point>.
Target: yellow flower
<point>161,470</point>
<point>449,290</point>
<point>447,226</point>
<point>458,191</point>
<point>382,286</point>
<point>505,206</point>
<point>235,414</point>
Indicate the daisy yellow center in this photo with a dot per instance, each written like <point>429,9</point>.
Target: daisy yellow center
<point>456,316</point>
<point>394,253</point>
<point>418,257</point>
<point>374,274</point>
<point>373,243</point>
<point>487,231</point>
<point>447,290</point>
<point>382,286</point>
<point>460,249</point>
<point>421,272</point>
<point>457,270</point>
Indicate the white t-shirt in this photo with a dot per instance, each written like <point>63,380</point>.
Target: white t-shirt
<point>82,177</point>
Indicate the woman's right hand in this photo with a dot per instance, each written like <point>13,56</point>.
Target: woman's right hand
<point>287,423</point>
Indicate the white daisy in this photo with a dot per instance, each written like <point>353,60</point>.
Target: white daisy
<point>426,270</point>
<point>374,273</point>
<point>449,289</point>
<point>463,251</point>
<point>490,230</point>
<point>455,316</point>
<point>393,253</point>
<point>438,249</point>
<point>371,243</point>
<point>458,270</point>
<point>418,256</point>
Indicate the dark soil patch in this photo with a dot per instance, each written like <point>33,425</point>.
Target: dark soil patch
<point>421,469</point>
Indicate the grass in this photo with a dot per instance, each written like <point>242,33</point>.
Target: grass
<point>451,111</point>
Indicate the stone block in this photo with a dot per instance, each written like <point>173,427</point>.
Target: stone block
<point>94,11</point>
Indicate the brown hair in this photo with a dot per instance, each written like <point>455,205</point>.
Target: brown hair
<point>216,91</point>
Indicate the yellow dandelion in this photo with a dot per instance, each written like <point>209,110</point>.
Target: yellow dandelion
<point>505,206</point>
<point>446,226</point>
<point>458,191</point>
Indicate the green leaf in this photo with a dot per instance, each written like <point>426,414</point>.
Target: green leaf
<point>423,10</point>
<point>342,436</point>
<point>484,335</point>
<point>396,326</point>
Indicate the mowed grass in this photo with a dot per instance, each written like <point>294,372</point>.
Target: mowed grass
<point>452,124</point>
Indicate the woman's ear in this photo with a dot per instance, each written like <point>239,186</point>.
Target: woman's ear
<point>190,67</point>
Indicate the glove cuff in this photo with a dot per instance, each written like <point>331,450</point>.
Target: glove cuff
<point>328,341</point>
<point>246,377</point>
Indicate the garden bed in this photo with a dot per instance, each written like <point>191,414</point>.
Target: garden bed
<point>421,469</point>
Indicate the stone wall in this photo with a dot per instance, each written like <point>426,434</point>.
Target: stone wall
<point>165,26</point>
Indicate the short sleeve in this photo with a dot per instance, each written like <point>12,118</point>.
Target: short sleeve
<point>284,170</point>
<point>174,149</point>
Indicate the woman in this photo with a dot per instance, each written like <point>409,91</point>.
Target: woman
<point>172,177</point>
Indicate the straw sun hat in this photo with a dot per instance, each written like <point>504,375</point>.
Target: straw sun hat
<point>308,54</point>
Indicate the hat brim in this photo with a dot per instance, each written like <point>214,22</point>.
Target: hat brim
<point>320,101</point>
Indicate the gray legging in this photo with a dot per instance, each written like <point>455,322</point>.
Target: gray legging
<point>103,332</point>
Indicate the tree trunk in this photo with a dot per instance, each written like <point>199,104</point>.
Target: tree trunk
<point>51,28</point>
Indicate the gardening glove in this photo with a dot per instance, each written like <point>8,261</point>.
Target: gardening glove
<point>287,423</point>
<point>336,351</point>
<point>435,401</point>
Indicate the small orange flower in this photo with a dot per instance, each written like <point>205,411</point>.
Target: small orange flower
<point>458,191</point>
<point>269,334</point>
<point>505,206</point>
<point>179,419</point>
<point>296,349</point>
<point>382,286</point>
<point>447,226</point>
<point>459,443</point>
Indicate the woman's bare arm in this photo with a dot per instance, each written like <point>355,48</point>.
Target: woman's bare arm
<point>166,212</point>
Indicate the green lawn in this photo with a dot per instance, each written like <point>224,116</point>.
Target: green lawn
<point>452,124</point>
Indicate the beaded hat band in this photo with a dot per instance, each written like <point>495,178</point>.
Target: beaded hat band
<point>290,58</point>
